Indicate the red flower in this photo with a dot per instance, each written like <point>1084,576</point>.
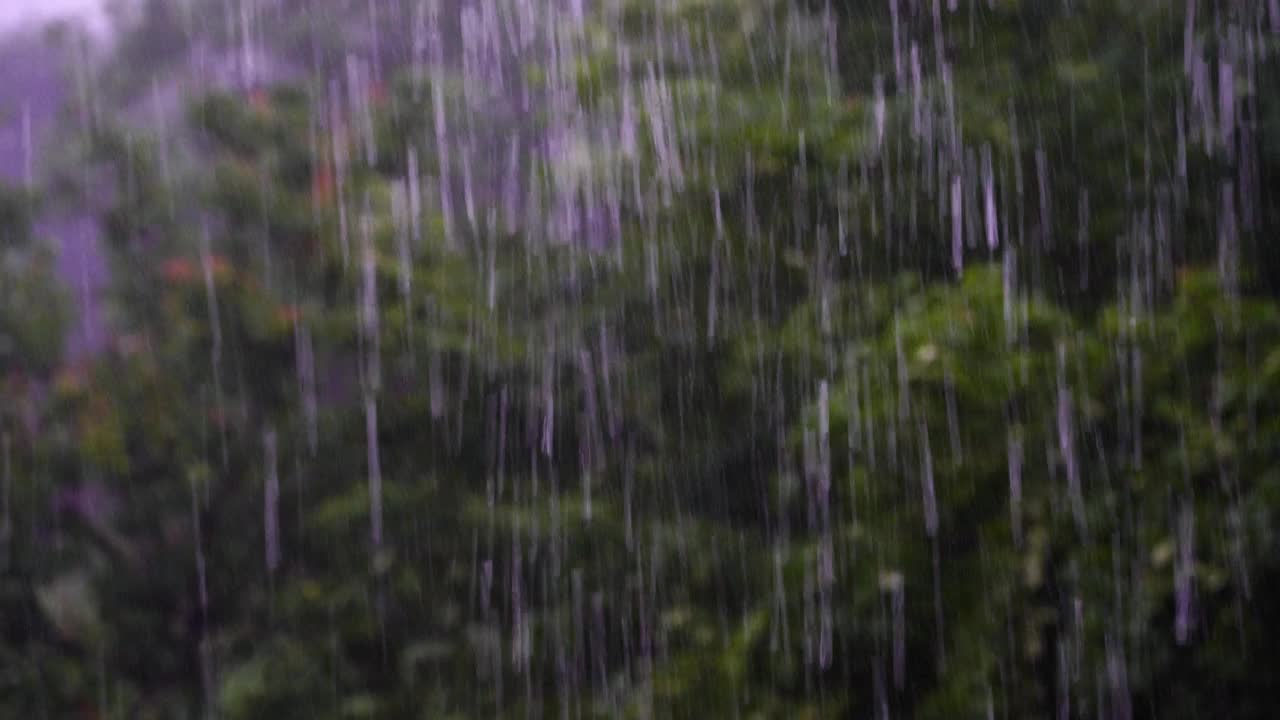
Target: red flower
<point>259,100</point>
<point>322,185</point>
<point>378,93</point>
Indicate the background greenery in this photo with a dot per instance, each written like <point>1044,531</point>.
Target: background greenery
<point>764,442</point>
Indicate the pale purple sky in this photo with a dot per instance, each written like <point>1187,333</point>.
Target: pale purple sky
<point>17,13</point>
<point>30,77</point>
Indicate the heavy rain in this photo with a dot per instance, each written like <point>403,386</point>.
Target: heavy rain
<point>639,359</point>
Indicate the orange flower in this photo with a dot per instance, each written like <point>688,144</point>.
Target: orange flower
<point>71,379</point>
<point>222,270</point>
<point>288,314</point>
<point>177,270</point>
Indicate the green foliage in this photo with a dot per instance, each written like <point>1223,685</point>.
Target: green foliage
<point>769,453</point>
